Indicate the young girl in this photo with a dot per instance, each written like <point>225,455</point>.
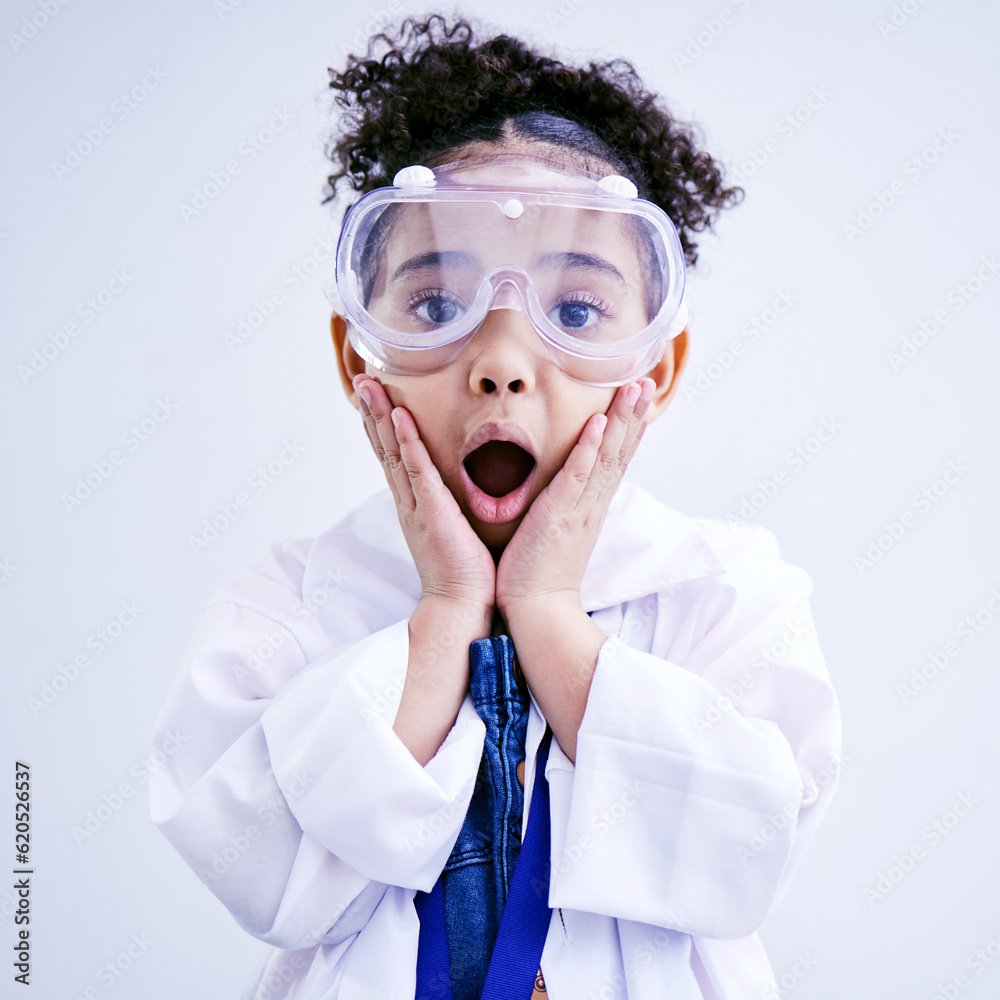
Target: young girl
<point>513,727</point>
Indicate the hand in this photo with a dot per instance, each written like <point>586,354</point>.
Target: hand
<point>550,550</point>
<point>452,561</point>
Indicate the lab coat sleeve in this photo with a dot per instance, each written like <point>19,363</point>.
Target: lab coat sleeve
<point>699,780</point>
<point>290,794</point>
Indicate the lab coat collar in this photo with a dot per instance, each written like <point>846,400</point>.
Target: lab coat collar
<point>644,548</point>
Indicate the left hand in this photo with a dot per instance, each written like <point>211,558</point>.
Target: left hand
<point>549,552</point>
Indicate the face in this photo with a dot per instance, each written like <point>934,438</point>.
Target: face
<point>500,420</point>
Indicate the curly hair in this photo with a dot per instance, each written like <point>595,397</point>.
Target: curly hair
<point>434,95</point>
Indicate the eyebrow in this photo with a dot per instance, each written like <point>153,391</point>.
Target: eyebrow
<point>432,260</point>
<point>565,260</point>
<point>572,261</point>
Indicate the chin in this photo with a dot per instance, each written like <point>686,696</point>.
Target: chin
<point>494,536</point>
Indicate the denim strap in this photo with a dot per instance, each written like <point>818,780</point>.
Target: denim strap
<point>483,925</point>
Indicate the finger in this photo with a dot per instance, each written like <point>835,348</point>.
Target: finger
<point>573,480</point>
<point>387,446</point>
<point>637,425</point>
<point>620,418</point>
<point>620,439</point>
<point>368,422</point>
<point>425,479</point>
<point>627,426</point>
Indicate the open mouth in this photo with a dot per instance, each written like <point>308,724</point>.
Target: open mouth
<point>499,467</point>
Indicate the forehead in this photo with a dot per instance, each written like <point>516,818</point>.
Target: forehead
<point>511,222</point>
<point>517,169</point>
<point>565,157</point>
<point>484,230</point>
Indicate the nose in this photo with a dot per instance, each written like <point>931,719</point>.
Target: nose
<point>506,353</point>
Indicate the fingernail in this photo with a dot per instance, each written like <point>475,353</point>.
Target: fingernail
<point>647,388</point>
<point>631,394</point>
<point>395,418</point>
<point>365,394</point>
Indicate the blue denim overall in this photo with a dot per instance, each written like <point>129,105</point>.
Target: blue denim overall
<point>484,923</point>
<point>477,876</point>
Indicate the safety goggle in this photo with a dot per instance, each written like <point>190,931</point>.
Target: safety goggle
<point>598,271</point>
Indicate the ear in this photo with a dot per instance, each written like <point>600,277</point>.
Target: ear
<point>666,374</point>
<point>349,362</point>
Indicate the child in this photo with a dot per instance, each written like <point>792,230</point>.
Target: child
<point>374,781</point>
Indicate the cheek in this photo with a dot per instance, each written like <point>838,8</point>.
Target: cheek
<point>569,416</point>
<point>434,420</point>
<point>586,405</point>
<point>404,392</point>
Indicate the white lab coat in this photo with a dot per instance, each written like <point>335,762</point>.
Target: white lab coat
<point>707,755</point>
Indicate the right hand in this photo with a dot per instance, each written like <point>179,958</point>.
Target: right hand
<point>452,560</point>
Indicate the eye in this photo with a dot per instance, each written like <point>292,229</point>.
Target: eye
<point>436,307</point>
<point>577,313</point>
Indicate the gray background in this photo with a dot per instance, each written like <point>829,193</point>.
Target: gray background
<point>884,96</point>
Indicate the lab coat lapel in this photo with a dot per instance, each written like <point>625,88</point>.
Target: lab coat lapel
<point>360,577</point>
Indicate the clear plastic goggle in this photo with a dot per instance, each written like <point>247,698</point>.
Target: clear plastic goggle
<point>598,271</point>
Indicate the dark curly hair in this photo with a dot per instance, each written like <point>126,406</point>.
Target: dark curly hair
<point>435,94</point>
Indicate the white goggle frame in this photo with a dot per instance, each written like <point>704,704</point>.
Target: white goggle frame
<point>507,287</point>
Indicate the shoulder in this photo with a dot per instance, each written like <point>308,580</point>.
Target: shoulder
<point>751,553</point>
<point>271,581</point>
<point>740,545</point>
<point>681,552</point>
<point>353,578</point>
